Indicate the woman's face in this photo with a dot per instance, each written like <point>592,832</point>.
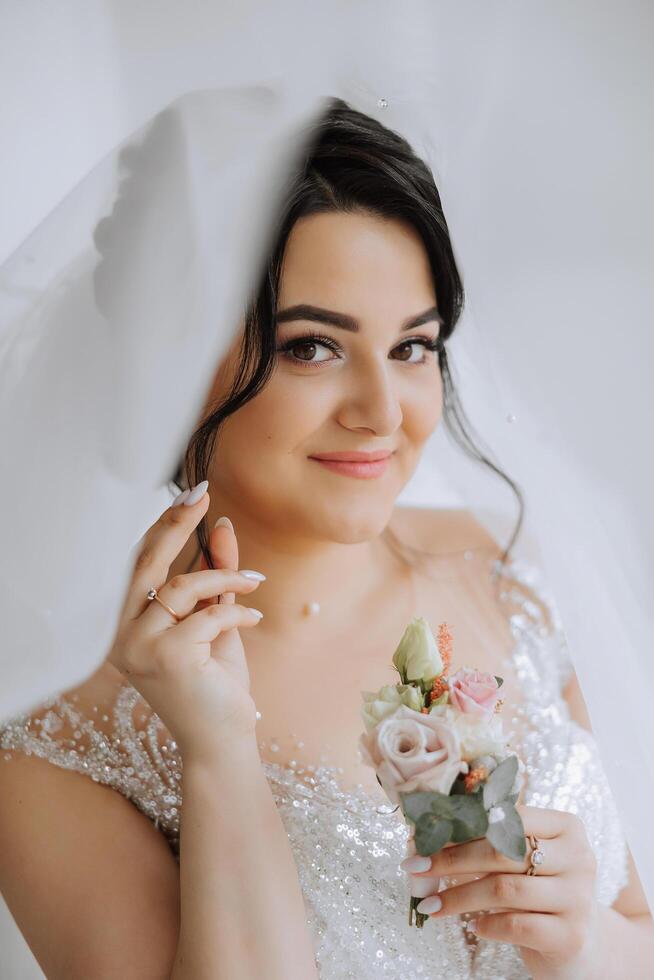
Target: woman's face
<point>376,387</point>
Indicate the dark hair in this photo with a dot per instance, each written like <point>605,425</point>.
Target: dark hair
<point>350,163</point>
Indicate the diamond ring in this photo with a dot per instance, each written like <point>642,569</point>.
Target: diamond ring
<point>536,857</point>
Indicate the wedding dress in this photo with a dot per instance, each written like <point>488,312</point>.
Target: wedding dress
<point>348,843</point>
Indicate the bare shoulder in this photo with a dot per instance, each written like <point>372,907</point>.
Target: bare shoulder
<point>442,530</point>
<point>80,864</point>
<point>66,835</point>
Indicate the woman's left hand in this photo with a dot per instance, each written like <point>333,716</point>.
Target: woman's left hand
<point>551,915</point>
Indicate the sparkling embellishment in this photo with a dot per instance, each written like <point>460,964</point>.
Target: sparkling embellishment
<point>511,418</point>
<point>152,593</point>
<point>382,103</point>
<point>537,857</point>
<point>347,844</point>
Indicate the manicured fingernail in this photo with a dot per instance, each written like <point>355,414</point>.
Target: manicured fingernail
<point>431,904</point>
<point>472,926</point>
<point>196,493</point>
<point>250,573</point>
<point>416,863</point>
<point>224,522</point>
<point>257,612</point>
<point>180,498</point>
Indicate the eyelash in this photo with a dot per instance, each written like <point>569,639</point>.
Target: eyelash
<point>429,343</point>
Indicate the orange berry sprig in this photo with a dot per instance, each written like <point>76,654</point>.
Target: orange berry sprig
<point>445,646</point>
<point>472,779</point>
<point>439,685</point>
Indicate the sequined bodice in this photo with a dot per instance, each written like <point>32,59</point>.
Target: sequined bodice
<point>348,844</point>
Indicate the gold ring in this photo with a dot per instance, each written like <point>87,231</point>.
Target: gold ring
<point>153,594</point>
<point>536,857</point>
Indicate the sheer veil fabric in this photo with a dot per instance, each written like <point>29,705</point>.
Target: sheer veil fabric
<point>111,327</point>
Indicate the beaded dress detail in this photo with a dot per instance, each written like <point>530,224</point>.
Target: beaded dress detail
<point>348,844</point>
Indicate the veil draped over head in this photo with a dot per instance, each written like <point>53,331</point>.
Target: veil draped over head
<point>115,311</point>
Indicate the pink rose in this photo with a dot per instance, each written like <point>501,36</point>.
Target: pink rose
<point>413,751</point>
<point>473,692</point>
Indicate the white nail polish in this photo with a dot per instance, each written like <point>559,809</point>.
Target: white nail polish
<point>417,862</point>
<point>196,493</point>
<point>180,498</point>
<point>431,904</point>
<point>257,612</point>
<point>250,573</point>
<point>224,522</point>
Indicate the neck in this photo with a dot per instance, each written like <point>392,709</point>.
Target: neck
<point>299,569</point>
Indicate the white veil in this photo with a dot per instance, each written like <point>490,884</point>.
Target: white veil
<point>534,123</point>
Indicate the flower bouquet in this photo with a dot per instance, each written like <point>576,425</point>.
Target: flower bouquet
<point>439,751</point>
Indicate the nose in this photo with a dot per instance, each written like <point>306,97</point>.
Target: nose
<point>372,401</point>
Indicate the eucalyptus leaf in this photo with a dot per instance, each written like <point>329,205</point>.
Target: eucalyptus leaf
<point>469,817</point>
<point>508,835</point>
<point>500,782</point>
<point>432,833</point>
<point>416,803</point>
<point>441,805</point>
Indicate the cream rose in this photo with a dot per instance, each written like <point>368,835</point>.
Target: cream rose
<point>477,735</point>
<point>417,657</point>
<point>378,704</point>
<point>412,751</point>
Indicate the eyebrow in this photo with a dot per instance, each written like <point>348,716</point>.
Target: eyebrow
<point>304,311</point>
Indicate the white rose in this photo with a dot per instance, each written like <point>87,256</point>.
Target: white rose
<point>378,704</point>
<point>478,735</point>
<point>417,657</point>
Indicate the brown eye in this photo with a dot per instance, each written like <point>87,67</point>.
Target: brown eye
<point>405,347</point>
<point>424,342</point>
<point>310,345</point>
<point>311,348</point>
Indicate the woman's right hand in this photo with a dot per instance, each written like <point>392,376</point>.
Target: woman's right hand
<point>193,674</point>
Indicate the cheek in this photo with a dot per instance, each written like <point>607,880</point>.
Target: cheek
<point>274,423</point>
<point>423,408</point>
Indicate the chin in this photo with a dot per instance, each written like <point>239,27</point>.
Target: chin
<point>350,527</point>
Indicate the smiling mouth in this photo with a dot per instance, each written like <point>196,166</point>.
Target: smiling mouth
<point>370,466</point>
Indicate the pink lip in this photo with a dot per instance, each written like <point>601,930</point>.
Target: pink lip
<point>372,464</point>
<point>354,457</point>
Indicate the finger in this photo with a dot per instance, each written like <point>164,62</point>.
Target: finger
<point>176,647</point>
<point>543,822</point>
<point>183,592</point>
<point>419,885</point>
<point>503,891</point>
<point>159,547</point>
<point>224,551</point>
<point>208,623</point>
<point>535,930</point>
<point>479,856</point>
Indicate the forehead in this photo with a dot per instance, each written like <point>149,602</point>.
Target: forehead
<point>356,262</point>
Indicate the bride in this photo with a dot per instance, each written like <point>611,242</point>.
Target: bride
<point>207,814</point>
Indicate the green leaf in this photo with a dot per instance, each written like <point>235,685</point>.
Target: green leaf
<point>432,833</point>
<point>441,804</point>
<point>416,803</point>
<point>500,782</point>
<point>508,835</point>
<point>469,817</point>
